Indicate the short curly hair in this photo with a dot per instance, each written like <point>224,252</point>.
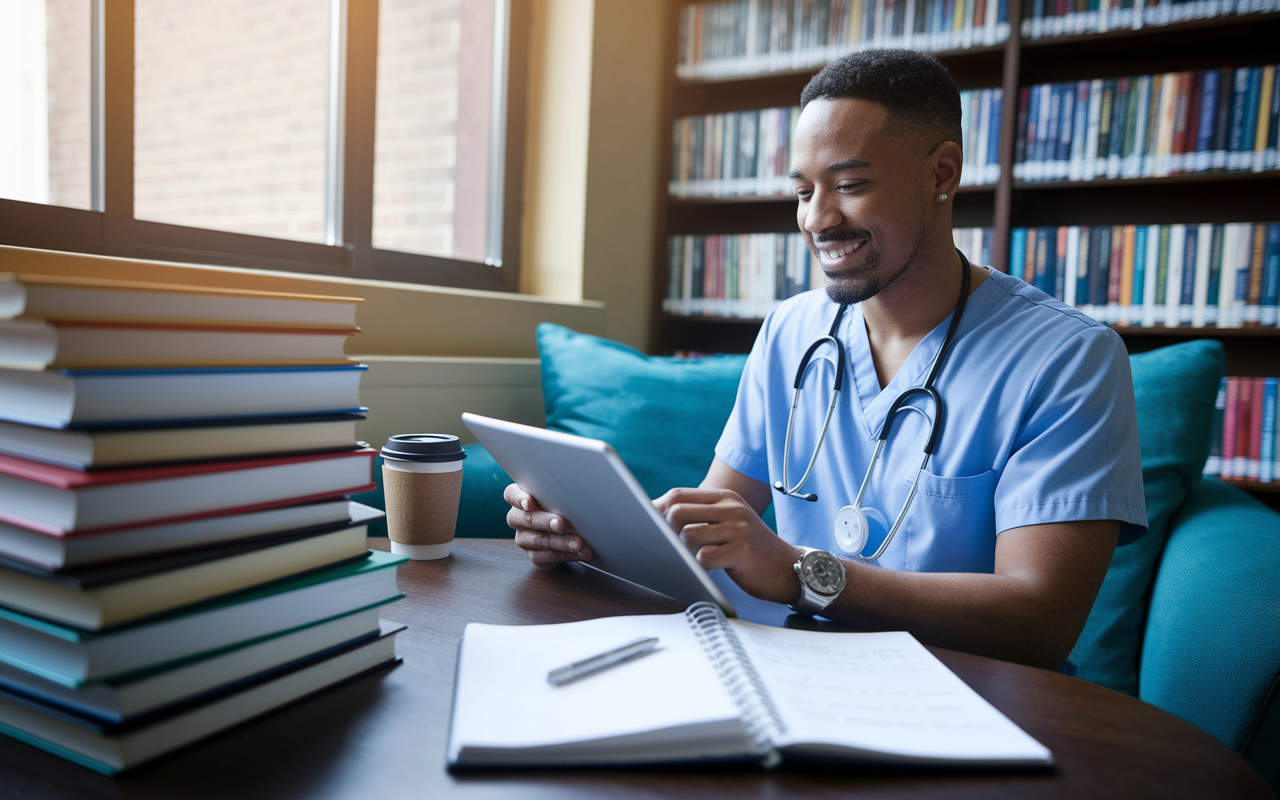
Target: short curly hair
<point>915,87</point>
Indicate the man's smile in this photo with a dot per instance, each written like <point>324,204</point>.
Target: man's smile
<point>832,254</point>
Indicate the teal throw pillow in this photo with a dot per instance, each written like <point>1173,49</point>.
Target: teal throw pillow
<point>1176,388</point>
<point>663,415</point>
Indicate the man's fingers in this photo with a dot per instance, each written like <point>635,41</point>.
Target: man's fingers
<point>519,498</point>
<point>538,521</point>
<point>569,545</point>
<point>682,514</point>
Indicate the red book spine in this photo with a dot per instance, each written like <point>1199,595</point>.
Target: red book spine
<point>1229,428</point>
<point>1244,425</point>
<point>1257,400</point>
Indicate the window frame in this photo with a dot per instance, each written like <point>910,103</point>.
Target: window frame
<point>112,229</point>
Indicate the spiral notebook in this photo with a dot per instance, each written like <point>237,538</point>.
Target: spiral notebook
<point>717,689</point>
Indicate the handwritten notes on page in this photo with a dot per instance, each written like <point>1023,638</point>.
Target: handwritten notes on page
<point>881,694</point>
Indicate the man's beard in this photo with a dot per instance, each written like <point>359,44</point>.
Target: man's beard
<point>856,285</point>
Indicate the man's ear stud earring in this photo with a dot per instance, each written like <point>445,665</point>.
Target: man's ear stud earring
<point>942,197</point>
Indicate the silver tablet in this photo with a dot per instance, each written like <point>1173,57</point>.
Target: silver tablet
<point>586,482</point>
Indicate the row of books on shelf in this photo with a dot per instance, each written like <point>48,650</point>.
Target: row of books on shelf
<point>748,37</point>
<point>741,275</point>
<point>178,552</point>
<point>1243,440</point>
<point>735,154</point>
<point>745,275</point>
<point>1044,18</point>
<point>1198,275</point>
<point>748,153</point>
<point>1149,125</point>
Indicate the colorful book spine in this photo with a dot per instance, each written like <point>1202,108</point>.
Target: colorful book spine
<point>1267,436</point>
<point>1172,275</point>
<point>740,276</point>
<point>1149,125</point>
<point>1244,443</point>
<point>1048,19</point>
<point>750,37</point>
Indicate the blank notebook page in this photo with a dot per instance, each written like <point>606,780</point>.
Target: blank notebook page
<point>504,700</point>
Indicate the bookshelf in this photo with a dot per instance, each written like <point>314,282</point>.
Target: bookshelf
<point>1163,45</point>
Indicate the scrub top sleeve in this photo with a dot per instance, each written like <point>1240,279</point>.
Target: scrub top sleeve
<point>743,445</point>
<point>1075,452</point>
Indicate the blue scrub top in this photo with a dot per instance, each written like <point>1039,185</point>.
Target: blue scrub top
<point>1040,427</point>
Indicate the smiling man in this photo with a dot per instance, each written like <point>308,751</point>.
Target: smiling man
<point>1000,538</point>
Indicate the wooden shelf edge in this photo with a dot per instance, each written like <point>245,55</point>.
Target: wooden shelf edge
<point>1169,180</point>
<point>692,84</point>
<point>1251,485</point>
<point>1188,330</point>
<point>1133,330</point>
<point>1150,32</point>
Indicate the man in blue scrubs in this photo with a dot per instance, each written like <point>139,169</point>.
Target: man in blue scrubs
<point>1036,474</point>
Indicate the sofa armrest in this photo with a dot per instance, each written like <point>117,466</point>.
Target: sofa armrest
<point>1211,652</point>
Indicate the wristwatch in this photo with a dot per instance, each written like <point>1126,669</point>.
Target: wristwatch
<point>822,578</point>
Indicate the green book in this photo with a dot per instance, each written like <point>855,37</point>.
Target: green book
<point>73,657</point>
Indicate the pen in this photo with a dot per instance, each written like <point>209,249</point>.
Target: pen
<point>579,669</point>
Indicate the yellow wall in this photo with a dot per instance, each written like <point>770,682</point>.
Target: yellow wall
<point>593,157</point>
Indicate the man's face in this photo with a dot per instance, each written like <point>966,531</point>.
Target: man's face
<point>862,204</point>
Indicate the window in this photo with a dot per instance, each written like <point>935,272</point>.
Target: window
<point>45,154</point>
<point>343,137</point>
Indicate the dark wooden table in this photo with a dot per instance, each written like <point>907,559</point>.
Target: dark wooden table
<point>383,737</point>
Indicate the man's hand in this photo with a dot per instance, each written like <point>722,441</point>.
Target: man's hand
<point>726,533</point>
<point>547,538</point>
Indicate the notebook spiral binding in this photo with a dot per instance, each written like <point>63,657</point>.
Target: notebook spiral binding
<point>748,691</point>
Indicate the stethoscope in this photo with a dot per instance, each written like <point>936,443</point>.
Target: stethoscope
<point>852,529</point>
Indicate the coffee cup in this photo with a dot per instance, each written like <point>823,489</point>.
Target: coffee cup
<point>422,481</point>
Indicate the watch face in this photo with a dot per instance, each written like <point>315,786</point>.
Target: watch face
<point>822,572</point>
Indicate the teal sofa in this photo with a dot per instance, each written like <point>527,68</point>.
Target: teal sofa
<point>1188,618</point>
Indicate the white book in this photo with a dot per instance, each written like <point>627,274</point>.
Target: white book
<point>1173,286</point>
<point>71,552</point>
<point>979,157</point>
<point>718,689</point>
<point>1149,310</point>
<point>1227,276</point>
<point>1072,267</point>
<point>1079,137</point>
<point>1200,297</point>
<point>1133,162</point>
<point>1095,119</point>
<point>1042,169</point>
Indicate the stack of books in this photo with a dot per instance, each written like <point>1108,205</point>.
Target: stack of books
<point>1222,275</point>
<point>177,553</point>
<point>1243,443</point>
<point>1149,125</point>
<point>749,37</point>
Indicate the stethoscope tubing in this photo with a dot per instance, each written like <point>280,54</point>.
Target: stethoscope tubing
<point>899,403</point>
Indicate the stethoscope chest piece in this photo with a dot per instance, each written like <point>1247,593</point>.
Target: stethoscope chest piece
<point>852,529</point>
